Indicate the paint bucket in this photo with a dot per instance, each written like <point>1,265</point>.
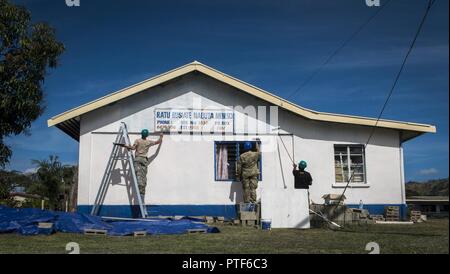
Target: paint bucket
<point>266,224</point>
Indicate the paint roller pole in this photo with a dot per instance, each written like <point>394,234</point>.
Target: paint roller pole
<point>293,149</point>
<point>279,155</point>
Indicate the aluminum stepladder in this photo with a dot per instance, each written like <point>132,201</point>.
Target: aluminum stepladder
<point>128,159</point>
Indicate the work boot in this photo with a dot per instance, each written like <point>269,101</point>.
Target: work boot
<point>251,207</point>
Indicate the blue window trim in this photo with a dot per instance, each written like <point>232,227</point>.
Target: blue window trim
<point>237,143</point>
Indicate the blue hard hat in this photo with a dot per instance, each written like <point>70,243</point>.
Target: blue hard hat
<point>248,145</point>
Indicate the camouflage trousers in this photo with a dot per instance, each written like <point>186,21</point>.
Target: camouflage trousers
<point>140,167</point>
<point>249,185</point>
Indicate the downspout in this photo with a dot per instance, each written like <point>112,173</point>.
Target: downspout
<point>402,176</point>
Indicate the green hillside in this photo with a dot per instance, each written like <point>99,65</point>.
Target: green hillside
<point>437,187</point>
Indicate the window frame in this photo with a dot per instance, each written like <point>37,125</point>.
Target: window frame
<point>237,144</point>
<point>349,163</point>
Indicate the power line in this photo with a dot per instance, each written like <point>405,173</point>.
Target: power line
<point>430,4</point>
<point>351,37</point>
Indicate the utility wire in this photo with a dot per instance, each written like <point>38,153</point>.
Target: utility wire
<point>430,4</point>
<point>350,38</point>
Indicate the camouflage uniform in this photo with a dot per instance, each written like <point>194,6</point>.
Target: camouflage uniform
<point>140,167</point>
<point>141,163</point>
<point>247,173</point>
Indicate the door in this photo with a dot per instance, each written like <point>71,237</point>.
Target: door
<point>281,203</point>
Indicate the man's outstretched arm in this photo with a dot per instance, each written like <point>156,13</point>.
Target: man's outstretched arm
<point>159,141</point>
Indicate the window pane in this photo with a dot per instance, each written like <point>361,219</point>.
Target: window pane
<point>225,161</point>
<point>357,170</point>
<point>340,149</point>
<point>341,175</point>
<point>340,161</point>
<point>356,149</point>
<point>345,177</point>
<point>356,160</point>
<point>358,178</point>
<point>341,168</point>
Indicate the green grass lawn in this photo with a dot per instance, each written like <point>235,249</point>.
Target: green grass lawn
<point>430,237</point>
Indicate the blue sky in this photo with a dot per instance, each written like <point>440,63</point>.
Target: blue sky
<point>272,44</point>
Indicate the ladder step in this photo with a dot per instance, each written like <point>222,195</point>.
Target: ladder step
<point>95,232</point>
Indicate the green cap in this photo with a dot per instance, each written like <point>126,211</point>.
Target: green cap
<point>144,133</point>
<point>302,165</point>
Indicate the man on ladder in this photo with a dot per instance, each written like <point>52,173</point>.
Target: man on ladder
<point>141,147</point>
<point>247,171</point>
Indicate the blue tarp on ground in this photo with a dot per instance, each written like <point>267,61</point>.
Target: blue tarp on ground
<point>25,221</point>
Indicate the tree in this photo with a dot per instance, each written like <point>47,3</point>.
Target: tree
<point>54,181</point>
<point>49,177</point>
<point>6,187</point>
<point>9,181</point>
<point>71,192</point>
<point>26,52</point>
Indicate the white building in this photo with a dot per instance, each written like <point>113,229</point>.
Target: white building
<point>192,172</point>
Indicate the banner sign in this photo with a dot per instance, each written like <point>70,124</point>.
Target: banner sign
<point>191,120</point>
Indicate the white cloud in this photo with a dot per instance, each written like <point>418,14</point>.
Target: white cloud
<point>30,170</point>
<point>428,171</point>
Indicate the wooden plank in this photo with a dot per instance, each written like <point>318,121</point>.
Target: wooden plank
<point>377,217</point>
<point>393,207</point>
<point>248,215</point>
<point>95,232</point>
<point>392,220</point>
<point>140,233</point>
<point>394,223</point>
<point>45,225</point>
<point>249,222</point>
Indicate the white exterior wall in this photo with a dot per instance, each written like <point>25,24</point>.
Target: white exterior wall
<point>183,171</point>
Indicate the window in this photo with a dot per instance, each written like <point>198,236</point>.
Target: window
<point>348,160</point>
<point>225,160</point>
